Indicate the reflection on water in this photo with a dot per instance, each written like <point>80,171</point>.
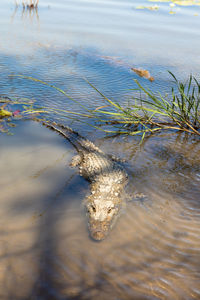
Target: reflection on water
<point>28,13</point>
<point>151,253</point>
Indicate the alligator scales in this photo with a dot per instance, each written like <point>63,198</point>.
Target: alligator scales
<point>107,181</point>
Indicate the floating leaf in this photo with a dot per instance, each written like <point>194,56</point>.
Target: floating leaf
<point>5,113</point>
<point>179,2</point>
<point>143,73</point>
<point>153,7</point>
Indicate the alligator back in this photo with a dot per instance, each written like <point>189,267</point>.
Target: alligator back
<point>108,180</point>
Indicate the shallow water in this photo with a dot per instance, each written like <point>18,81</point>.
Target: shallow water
<point>153,252</point>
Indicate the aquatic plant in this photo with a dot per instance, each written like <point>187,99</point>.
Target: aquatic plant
<point>147,114</point>
<point>12,108</point>
<point>4,113</point>
<point>153,112</point>
<point>178,2</point>
<point>180,111</point>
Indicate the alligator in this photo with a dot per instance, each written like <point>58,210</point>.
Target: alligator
<point>107,178</point>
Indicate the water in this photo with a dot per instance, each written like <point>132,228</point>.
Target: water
<point>153,252</point>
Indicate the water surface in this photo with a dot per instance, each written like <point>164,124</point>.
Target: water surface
<point>153,252</point>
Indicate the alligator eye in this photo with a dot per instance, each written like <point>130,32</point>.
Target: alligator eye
<point>109,210</point>
<point>93,208</point>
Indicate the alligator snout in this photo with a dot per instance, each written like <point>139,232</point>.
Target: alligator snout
<point>98,235</point>
<point>98,230</point>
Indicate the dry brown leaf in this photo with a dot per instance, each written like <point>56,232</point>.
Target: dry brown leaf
<point>143,73</point>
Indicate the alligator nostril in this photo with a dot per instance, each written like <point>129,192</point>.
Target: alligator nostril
<point>98,235</point>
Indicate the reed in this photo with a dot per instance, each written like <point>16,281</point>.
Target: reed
<point>153,112</point>
<point>29,4</point>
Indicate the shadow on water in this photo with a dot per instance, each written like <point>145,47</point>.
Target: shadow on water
<point>33,239</point>
<point>46,285</point>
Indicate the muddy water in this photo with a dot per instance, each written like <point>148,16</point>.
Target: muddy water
<point>153,252</point>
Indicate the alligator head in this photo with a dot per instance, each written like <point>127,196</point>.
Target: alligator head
<point>102,214</point>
